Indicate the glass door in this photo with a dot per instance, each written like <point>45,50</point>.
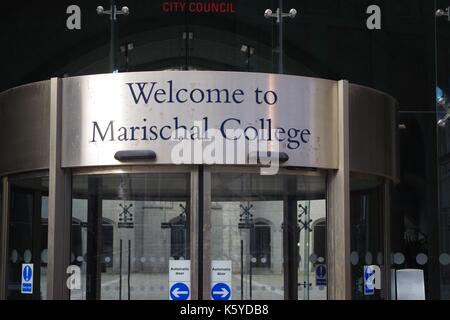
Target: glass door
<point>258,230</point>
<point>27,236</point>
<point>266,240</point>
<point>440,272</point>
<point>127,229</point>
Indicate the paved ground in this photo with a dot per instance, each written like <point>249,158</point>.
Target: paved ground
<point>155,287</point>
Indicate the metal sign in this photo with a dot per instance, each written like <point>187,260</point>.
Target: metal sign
<point>221,274</point>
<point>221,291</point>
<point>321,275</point>
<point>27,278</point>
<point>179,279</point>
<point>179,291</point>
<point>105,114</point>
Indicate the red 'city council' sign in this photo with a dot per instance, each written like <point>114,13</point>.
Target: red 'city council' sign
<point>199,6</point>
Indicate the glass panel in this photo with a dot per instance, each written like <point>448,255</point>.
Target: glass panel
<point>28,232</point>
<point>156,35</point>
<point>253,219</point>
<point>441,259</point>
<point>1,202</point>
<point>125,229</point>
<point>312,269</point>
<point>367,236</point>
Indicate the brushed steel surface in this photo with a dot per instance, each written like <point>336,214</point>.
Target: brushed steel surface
<point>373,132</point>
<point>24,128</point>
<point>302,103</point>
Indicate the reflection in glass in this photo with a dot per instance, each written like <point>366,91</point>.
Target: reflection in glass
<point>312,275</point>
<point>125,229</point>
<point>367,232</point>
<point>253,217</point>
<point>28,232</point>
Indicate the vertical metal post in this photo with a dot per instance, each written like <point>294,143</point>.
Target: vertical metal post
<point>129,268</point>
<point>248,59</point>
<point>279,15</point>
<point>59,203</point>
<point>306,250</point>
<point>290,247</point>
<point>112,50</point>
<point>113,13</point>
<point>200,233</point>
<point>36,249</point>
<point>194,255</point>
<point>242,269</point>
<point>94,239</point>
<point>250,273</point>
<point>186,40</point>
<point>4,223</point>
<point>204,213</point>
<point>338,208</point>
<point>207,237</point>
<point>280,21</point>
<point>127,58</point>
<point>387,285</point>
<point>120,269</point>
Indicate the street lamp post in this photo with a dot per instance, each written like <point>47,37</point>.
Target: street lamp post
<point>279,15</point>
<point>113,13</point>
<point>443,13</point>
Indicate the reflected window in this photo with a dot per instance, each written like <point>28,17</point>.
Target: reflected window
<point>178,237</point>
<point>319,230</point>
<point>261,247</point>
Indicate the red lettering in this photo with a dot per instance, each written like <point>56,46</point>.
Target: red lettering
<point>199,6</point>
<point>166,6</point>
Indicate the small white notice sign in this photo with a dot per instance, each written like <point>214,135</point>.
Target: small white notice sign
<point>179,279</point>
<point>221,274</point>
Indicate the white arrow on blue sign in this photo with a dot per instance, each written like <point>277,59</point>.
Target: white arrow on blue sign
<point>27,278</point>
<point>321,275</point>
<point>369,281</point>
<point>221,291</point>
<point>179,291</point>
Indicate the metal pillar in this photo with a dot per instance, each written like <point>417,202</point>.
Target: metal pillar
<point>59,204</point>
<point>4,223</point>
<point>200,233</point>
<point>338,203</point>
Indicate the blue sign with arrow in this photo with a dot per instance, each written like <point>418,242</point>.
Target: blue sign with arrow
<point>321,275</point>
<point>27,279</point>
<point>179,291</point>
<point>369,281</point>
<point>221,291</point>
